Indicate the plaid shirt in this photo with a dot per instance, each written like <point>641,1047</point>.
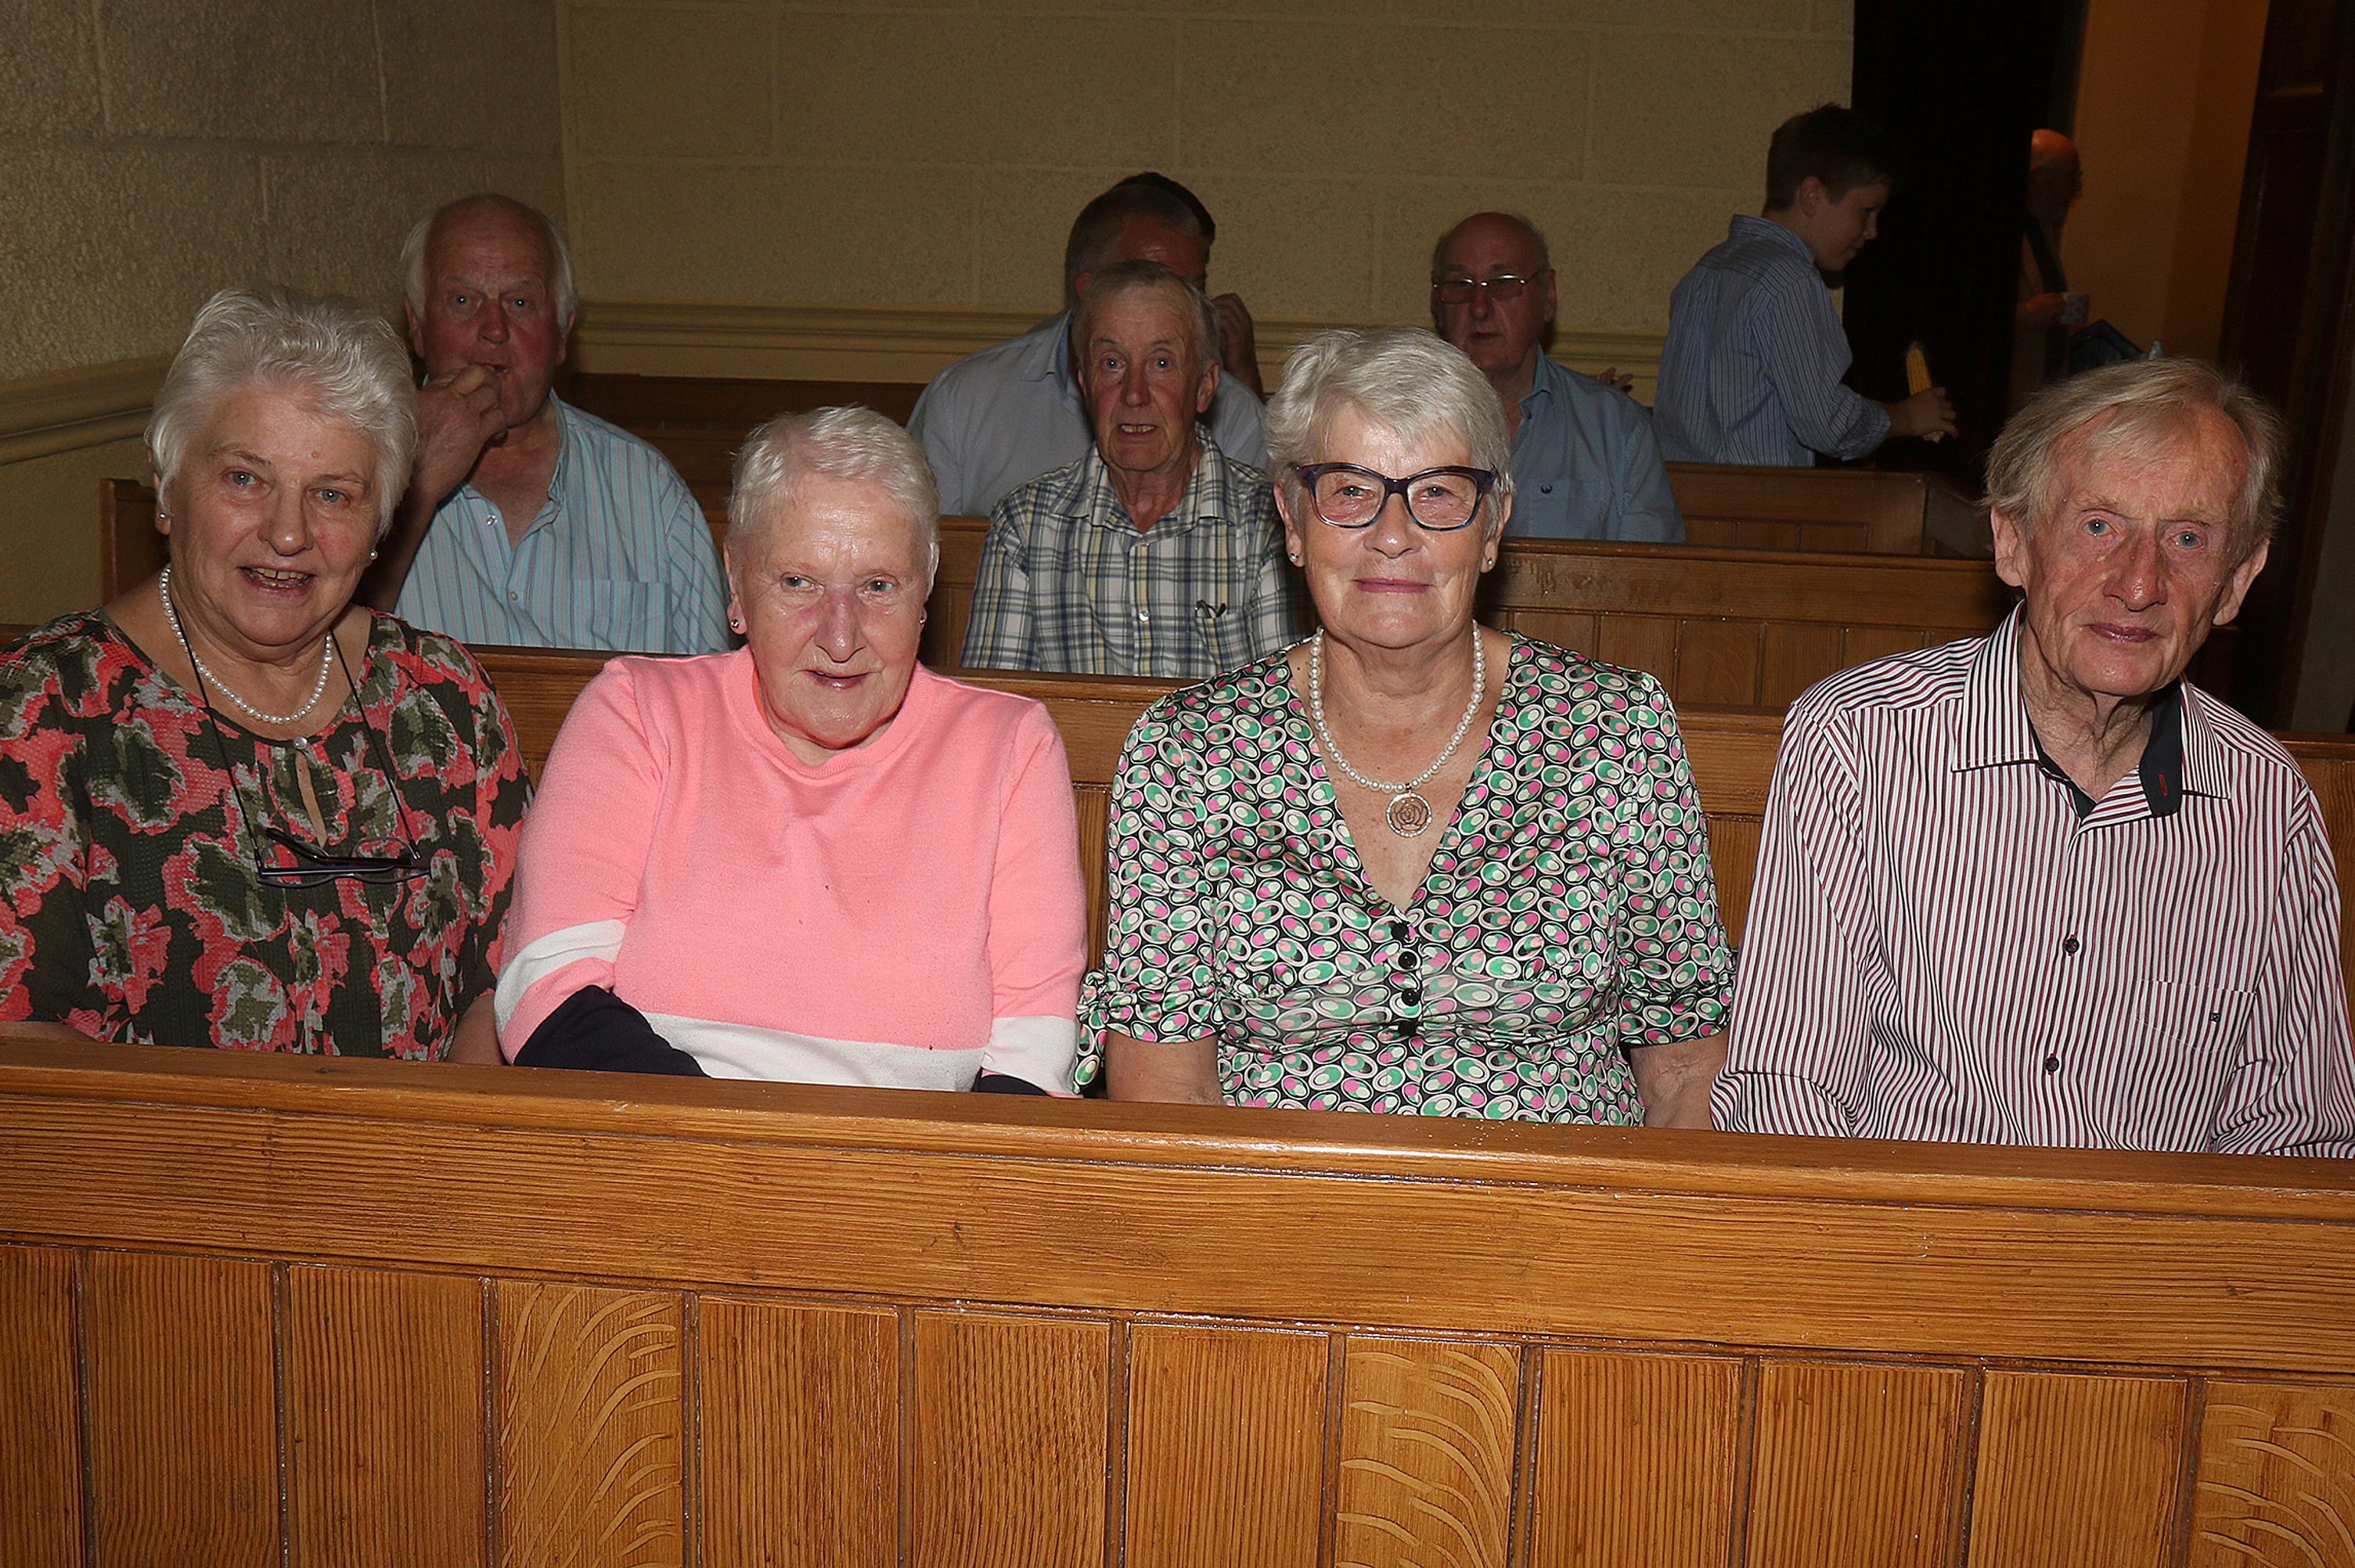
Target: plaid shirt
<point>1068,581</point>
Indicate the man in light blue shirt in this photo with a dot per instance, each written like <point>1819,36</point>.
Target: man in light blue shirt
<point>1584,463</point>
<point>1001,418</point>
<point>528,522</point>
<point>1751,371</point>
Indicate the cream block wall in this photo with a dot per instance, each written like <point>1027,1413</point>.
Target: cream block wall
<point>158,150</point>
<point>932,155</point>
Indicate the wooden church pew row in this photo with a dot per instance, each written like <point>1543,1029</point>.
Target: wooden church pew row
<point>294,1310</point>
<point>1733,755</point>
<point>699,421</point>
<point>1738,628</point>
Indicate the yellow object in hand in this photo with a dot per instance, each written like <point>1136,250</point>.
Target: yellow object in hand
<point>1917,380</point>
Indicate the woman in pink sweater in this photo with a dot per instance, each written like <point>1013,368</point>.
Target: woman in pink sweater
<point>811,859</point>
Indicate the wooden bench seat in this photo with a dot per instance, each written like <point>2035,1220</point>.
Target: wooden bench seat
<point>306,1311</point>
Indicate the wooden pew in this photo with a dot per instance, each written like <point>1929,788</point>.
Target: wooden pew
<point>326,1311</point>
<point>699,421</point>
<point>1731,750</point>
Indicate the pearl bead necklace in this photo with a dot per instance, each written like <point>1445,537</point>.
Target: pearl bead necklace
<point>1408,813</point>
<point>326,662</point>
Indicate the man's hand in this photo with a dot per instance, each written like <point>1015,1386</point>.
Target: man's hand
<point>1923,414</point>
<point>1237,344</point>
<point>1612,377</point>
<point>2043,312</point>
<point>457,416</point>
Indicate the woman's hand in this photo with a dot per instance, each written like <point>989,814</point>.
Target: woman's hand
<point>1183,1072</point>
<point>1674,1080</point>
<point>476,1038</point>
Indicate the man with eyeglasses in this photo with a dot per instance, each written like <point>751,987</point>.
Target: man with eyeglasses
<point>1586,465</point>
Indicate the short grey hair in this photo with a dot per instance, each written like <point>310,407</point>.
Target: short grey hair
<point>1412,381</point>
<point>414,283</point>
<point>2139,409</point>
<point>1525,224</point>
<point>1124,278</point>
<point>1096,230</point>
<point>345,362</point>
<point>846,442</point>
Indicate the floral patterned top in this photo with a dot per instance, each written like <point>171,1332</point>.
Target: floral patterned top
<point>129,904</point>
<point>1568,911</point>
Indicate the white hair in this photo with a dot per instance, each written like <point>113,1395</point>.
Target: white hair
<point>1123,279</point>
<point>1412,383</point>
<point>414,283</point>
<point>345,362</point>
<point>846,442</point>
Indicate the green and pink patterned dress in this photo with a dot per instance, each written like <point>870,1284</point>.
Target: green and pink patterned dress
<point>1569,914</point>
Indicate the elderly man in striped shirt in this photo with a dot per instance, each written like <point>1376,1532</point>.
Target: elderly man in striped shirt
<point>2033,887</point>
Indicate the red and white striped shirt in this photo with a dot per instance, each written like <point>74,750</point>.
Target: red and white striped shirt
<point>1940,947</point>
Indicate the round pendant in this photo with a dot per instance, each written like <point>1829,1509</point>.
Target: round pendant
<point>1408,814</point>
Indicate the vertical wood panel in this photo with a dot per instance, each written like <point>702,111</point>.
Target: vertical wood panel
<point>799,1435</point>
<point>1733,857</point>
<point>1854,1466</point>
<point>1863,644</point>
<point>1645,642</point>
<point>591,1416</point>
<point>40,1411</point>
<point>1635,1459</point>
<point>1226,1438</point>
<point>2076,1471</point>
<point>384,1398</point>
<point>1796,657</point>
<point>1562,627</point>
<point>2276,1478</point>
<point>1718,662</point>
<point>183,1411</point>
<point>1092,804</point>
<point>1427,1432</point>
<point>1008,1448</point>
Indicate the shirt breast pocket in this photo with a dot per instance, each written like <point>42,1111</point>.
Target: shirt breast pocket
<point>2179,1051</point>
<point>624,616</point>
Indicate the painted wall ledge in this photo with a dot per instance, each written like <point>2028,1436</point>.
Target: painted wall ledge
<point>913,342</point>
<point>67,410</point>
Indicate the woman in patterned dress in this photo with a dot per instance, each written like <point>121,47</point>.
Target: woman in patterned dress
<point>1410,865</point>
<point>235,810</point>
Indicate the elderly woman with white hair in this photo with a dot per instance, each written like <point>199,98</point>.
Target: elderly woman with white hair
<point>1413,865</point>
<point>811,859</point>
<point>235,808</point>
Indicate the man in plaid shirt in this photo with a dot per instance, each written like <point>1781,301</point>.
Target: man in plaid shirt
<point>1156,554</point>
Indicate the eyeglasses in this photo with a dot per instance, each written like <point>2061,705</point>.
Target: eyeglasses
<point>1502,289</point>
<point>311,868</point>
<point>1440,500</point>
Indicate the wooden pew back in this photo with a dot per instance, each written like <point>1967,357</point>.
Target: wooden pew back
<point>295,1311</point>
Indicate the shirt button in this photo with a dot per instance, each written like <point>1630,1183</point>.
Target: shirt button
<point>2069,946</point>
<point>2051,1064</point>
<point>513,596</point>
<point>1142,617</point>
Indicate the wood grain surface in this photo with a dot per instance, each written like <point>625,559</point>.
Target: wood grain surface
<point>1855,1465</point>
<point>2276,1478</point>
<point>799,1435</point>
<point>1008,1441</point>
<point>1428,1439</point>
<point>1636,1459</point>
<point>591,1414</point>
<point>1226,1447</point>
<point>182,1401</point>
<point>2076,1472</point>
<point>40,1409</point>
<point>385,1418</point>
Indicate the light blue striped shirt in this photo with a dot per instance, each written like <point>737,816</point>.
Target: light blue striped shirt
<point>1586,465</point>
<point>1750,372</point>
<point>618,558</point>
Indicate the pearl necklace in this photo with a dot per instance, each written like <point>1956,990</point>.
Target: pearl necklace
<point>1408,813</point>
<point>326,662</point>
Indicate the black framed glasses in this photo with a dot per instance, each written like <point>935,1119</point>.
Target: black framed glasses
<point>1502,289</point>
<point>1440,500</point>
<point>310,868</point>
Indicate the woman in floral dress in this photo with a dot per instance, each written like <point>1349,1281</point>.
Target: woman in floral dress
<point>235,810</point>
<point>1410,865</point>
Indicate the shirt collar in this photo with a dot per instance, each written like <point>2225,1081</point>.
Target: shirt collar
<point>1755,226</point>
<point>564,444</point>
<point>1545,381</point>
<point>1209,493</point>
<point>1058,367</point>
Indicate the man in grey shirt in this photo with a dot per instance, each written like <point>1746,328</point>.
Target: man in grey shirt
<point>1001,418</point>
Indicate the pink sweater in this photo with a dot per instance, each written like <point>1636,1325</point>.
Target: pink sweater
<point>908,914</point>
